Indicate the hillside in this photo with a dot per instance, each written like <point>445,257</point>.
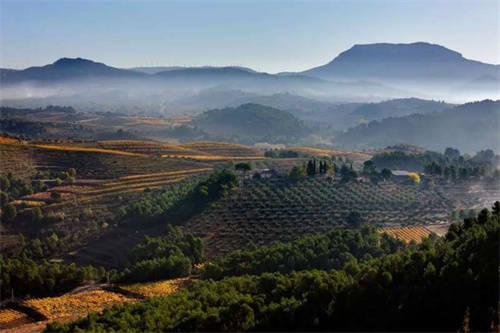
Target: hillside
<point>416,61</point>
<point>66,69</point>
<point>250,123</point>
<point>471,127</point>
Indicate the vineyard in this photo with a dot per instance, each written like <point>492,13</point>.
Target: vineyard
<point>76,305</point>
<point>160,288</point>
<point>322,152</point>
<point>263,212</point>
<point>408,234</point>
<point>12,318</point>
<point>25,161</point>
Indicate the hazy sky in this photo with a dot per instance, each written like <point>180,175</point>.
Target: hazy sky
<point>268,36</point>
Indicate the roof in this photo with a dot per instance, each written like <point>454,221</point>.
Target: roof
<point>400,172</point>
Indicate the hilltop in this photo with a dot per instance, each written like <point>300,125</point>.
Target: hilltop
<point>251,123</point>
<point>415,61</point>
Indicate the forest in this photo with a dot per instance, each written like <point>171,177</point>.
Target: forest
<point>451,282</point>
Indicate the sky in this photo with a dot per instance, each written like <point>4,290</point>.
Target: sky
<point>271,36</point>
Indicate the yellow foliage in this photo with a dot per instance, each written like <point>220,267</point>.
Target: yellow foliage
<point>407,234</point>
<point>77,304</point>
<point>160,288</point>
<point>415,176</point>
<point>9,315</point>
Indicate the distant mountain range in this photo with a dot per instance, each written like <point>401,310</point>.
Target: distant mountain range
<point>371,72</point>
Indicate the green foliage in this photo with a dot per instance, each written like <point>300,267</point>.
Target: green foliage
<point>435,287</point>
<point>9,212</point>
<point>243,166</point>
<point>14,187</point>
<point>385,173</point>
<point>354,219</point>
<point>4,198</point>
<point>26,276</point>
<point>250,123</point>
<point>297,173</point>
<point>331,250</point>
<point>281,153</point>
<point>431,130</point>
<point>178,202</point>
<point>36,215</point>
<point>164,257</point>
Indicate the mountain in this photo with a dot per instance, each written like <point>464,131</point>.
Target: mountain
<point>397,108</point>
<point>66,69</point>
<point>415,61</point>
<point>469,127</point>
<point>251,123</point>
<point>158,69</point>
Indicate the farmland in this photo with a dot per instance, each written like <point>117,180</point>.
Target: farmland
<point>408,234</point>
<point>78,304</point>
<point>160,288</point>
<point>101,203</point>
<point>266,211</point>
<point>12,318</point>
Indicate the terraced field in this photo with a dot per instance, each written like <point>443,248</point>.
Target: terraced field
<point>313,151</point>
<point>78,304</point>
<point>25,160</point>
<point>408,234</point>
<point>266,211</point>
<point>222,149</point>
<point>11,318</point>
<point>159,288</point>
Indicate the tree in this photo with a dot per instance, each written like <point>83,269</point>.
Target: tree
<point>36,215</point>
<point>4,183</point>
<point>451,153</point>
<point>72,172</point>
<point>4,198</point>
<point>297,173</point>
<point>243,166</point>
<point>9,212</point>
<point>311,168</point>
<point>368,167</point>
<point>495,210</point>
<point>354,218</point>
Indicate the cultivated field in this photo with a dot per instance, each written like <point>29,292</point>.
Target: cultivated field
<point>313,151</point>
<point>76,305</point>
<point>11,318</point>
<point>408,234</point>
<point>266,211</point>
<point>159,288</point>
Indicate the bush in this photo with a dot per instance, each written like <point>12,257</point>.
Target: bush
<point>9,212</point>
<point>36,215</point>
